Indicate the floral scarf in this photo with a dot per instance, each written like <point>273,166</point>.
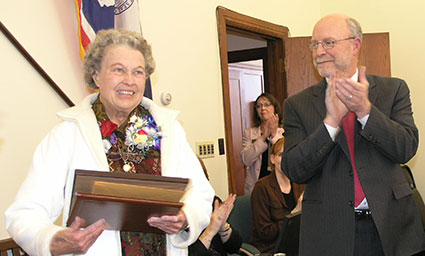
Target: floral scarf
<point>133,147</point>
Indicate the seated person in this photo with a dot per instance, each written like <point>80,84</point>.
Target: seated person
<point>219,238</point>
<point>273,197</point>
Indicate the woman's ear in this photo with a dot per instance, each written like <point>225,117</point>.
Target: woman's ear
<point>273,159</point>
<point>95,77</point>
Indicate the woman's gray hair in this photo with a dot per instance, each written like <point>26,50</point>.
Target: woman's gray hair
<point>354,28</point>
<point>104,38</point>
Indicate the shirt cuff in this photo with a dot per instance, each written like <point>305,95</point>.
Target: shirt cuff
<point>363,121</point>
<point>332,131</point>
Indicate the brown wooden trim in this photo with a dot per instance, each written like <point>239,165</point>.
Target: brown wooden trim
<point>276,75</point>
<point>240,21</point>
<point>222,38</point>
<point>11,246</point>
<point>6,244</point>
<point>35,65</point>
<point>245,25</point>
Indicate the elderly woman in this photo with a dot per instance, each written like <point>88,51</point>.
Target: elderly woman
<point>103,133</point>
<point>256,141</point>
<point>273,197</point>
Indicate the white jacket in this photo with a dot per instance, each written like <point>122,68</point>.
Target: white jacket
<point>76,143</point>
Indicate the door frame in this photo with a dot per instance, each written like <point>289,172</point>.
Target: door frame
<point>246,26</point>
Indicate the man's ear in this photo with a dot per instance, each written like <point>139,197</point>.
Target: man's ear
<point>357,42</point>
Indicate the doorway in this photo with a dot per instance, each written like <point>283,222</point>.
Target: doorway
<point>274,82</point>
<point>246,82</point>
<point>247,59</point>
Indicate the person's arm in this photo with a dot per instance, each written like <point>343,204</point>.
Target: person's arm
<point>277,135</point>
<point>389,124</point>
<point>198,249</point>
<point>75,240</point>
<point>170,224</point>
<point>234,241</point>
<point>307,141</point>
<point>299,205</point>
<point>252,148</point>
<point>218,225</point>
<point>392,130</point>
<point>40,200</point>
<point>312,129</point>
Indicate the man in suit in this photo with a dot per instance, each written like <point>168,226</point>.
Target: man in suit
<point>356,200</point>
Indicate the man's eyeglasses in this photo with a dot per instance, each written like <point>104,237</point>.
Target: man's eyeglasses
<point>327,44</point>
<point>263,105</point>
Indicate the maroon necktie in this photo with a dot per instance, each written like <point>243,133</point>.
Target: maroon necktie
<point>348,123</point>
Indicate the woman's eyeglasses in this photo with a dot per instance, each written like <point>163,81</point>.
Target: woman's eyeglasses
<point>263,105</point>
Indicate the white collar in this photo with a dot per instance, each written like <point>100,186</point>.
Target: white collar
<point>355,77</point>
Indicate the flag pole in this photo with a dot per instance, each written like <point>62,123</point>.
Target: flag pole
<point>35,65</point>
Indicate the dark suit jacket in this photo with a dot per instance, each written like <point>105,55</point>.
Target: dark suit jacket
<point>268,211</point>
<point>389,138</point>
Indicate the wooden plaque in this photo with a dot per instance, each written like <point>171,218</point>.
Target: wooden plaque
<point>124,200</point>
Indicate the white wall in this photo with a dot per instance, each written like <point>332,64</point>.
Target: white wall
<point>47,29</point>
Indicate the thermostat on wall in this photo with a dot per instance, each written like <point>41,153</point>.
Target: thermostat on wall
<point>166,98</point>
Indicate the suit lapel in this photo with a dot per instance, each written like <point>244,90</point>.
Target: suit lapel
<point>319,91</point>
<point>373,95</point>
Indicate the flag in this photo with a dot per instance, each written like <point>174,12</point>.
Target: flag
<point>94,15</point>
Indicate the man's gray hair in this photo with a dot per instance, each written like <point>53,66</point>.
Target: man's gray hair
<point>354,28</point>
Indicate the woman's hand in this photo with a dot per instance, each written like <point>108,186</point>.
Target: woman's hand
<point>218,221</point>
<point>221,213</point>
<point>269,127</point>
<point>76,240</point>
<point>299,203</point>
<point>169,224</point>
<point>273,123</point>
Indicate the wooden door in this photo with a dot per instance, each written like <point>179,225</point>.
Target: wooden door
<point>250,27</point>
<point>300,71</point>
<point>245,84</point>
